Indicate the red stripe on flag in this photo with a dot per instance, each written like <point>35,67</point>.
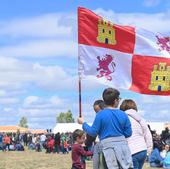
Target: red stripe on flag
<point>150,75</point>
<point>88,32</point>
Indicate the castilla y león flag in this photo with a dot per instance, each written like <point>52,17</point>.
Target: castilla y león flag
<point>123,56</point>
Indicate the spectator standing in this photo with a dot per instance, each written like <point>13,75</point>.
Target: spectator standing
<point>141,140</point>
<point>6,142</point>
<point>42,140</point>
<point>25,139</point>
<point>57,142</point>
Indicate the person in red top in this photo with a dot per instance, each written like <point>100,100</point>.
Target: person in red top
<point>50,145</point>
<point>6,142</point>
<point>65,146</point>
<point>78,153</point>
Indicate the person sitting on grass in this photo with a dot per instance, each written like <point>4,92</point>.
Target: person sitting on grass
<point>165,150</point>
<point>155,158</point>
<point>166,161</point>
<point>78,153</point>
<point>19,146</point>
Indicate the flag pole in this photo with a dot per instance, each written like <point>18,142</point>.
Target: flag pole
<point>80,104</point>
<point>79,74</point>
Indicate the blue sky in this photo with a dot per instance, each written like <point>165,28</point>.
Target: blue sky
<point>38,58</point>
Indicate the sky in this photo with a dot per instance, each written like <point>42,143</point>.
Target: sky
<point>39,58</point>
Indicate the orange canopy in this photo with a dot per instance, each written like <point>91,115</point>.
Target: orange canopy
<point>13,129</point>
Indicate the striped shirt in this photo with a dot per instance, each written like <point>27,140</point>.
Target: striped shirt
<point>141,138</point>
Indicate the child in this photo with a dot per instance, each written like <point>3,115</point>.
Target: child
<point>113,127</point>
<point>78,153</point>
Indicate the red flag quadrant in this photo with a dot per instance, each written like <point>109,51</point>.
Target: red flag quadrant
<point>151,75</point>
<point>95,31</point>
<point>123,56</point>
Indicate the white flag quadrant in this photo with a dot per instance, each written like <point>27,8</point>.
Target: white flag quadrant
<point>151,44</point>
<point>107,66</point>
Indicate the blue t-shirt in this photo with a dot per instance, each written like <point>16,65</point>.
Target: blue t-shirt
<point>109,123</point>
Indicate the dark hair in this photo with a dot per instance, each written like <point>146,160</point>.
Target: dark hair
<point>77,133</point>
<point>99,103</point>
<point>157,145</point>
<point>110,95</point>
<point>128,104</point>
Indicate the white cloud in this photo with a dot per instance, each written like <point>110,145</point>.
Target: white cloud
<point>151,3</point>
<point>154,99</point>
<point>23,73</point>
<point>41,112</point>
<point>49,25</point>
<point>54,78</point>
<point>41,48</point>
<point>30,100</point>
<point>2,93</point>
<point>8,109</point>
<point>35,102</point>
<point>8,101</point>
<point>156,22</point>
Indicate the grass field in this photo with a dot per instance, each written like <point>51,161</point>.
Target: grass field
<point>37,160</point>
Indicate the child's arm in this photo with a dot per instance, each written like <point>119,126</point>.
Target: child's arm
<point>85,153</point>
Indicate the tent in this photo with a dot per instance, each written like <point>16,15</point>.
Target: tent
<point>38,131</point>
<point>70,127</point>
<point>13,129</point>
<point>66,127</point>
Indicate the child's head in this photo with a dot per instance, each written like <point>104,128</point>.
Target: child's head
<point>167,147</point>
<point>79,136</point>
<point>111,97</point>
<point>128,104</point>
<point>98,105</point>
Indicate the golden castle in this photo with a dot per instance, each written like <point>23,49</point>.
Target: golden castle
<point>106,33</point>
<point>160,78</point>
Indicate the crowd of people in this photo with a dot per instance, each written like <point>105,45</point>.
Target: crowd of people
<point>51,143</point>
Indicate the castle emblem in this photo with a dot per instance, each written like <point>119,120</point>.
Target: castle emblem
<point>106,66</point>
<point>106,33</point>
<point>160,77</point>
<point>164,43</point>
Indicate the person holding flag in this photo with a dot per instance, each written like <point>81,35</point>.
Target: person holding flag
<point>113,127</point>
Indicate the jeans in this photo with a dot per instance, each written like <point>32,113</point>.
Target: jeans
<point>139,159</point>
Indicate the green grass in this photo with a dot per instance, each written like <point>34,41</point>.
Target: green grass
<point>37,160</point>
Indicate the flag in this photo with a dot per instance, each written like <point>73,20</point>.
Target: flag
<point>123,57</point>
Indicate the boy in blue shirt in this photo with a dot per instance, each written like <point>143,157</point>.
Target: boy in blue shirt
<point>113,126</point>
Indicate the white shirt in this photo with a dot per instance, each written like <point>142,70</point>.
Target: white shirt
<point>141,138</point>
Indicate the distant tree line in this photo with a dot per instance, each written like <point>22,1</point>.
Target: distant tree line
<point>65,117</point>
